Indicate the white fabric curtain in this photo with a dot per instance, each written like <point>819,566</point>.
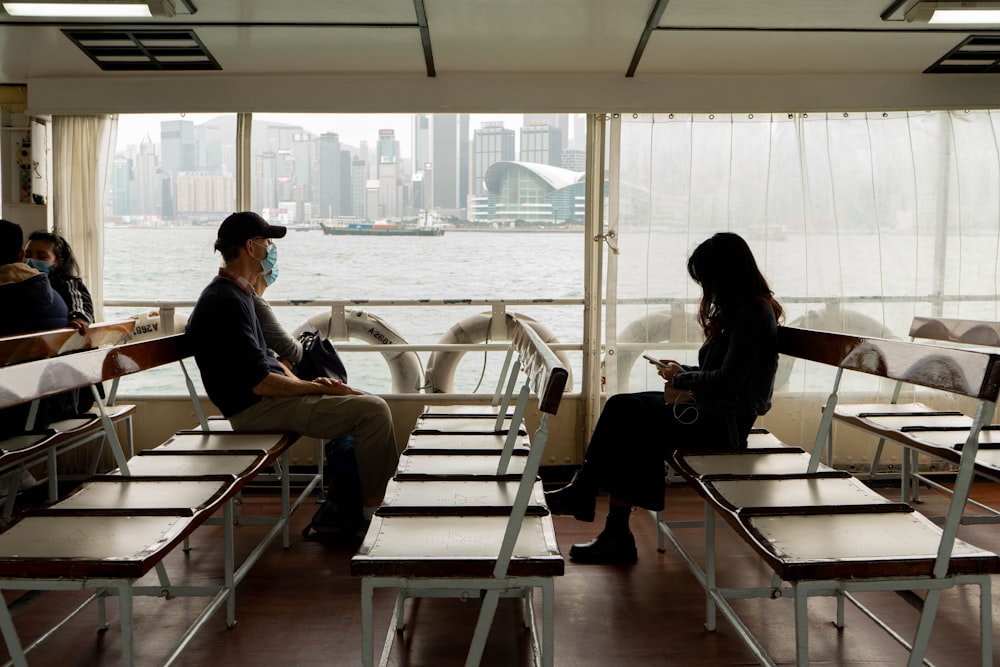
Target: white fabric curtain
<point>82,148</point>
<point>859,220</point>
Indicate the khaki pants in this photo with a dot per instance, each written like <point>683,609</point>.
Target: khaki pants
<point>365,418</point>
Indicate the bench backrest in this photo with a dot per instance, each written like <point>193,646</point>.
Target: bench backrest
<point>966,332</point>
<point>27,381</point>
<point>544,375</point>
<point>967,372</point>
<point>42,344</point>
<point>970,373</point>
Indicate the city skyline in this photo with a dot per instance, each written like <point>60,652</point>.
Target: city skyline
<point>352,128</point>
<point>182,167</point>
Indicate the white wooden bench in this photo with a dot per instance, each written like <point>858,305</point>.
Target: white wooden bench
<point>119,527</point>
<point>18,452</point>
<point>824,533</point>
<point>476,539</point>
<point>921,429</point>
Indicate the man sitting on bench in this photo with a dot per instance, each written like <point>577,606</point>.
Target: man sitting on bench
<point>30,304</point>
<point>708,407</point>
<point>254,391</point>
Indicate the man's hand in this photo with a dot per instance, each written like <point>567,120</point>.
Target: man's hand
<point>336,387</point>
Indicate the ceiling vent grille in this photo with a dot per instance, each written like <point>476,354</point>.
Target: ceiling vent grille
<point>977,54</point>
<point>144,50</point>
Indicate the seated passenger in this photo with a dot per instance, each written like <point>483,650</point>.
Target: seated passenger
<point>288,349</point>
<point>253,390</point>
<point>707,407</point>
<point>30,304</point>
<point>51,254</point>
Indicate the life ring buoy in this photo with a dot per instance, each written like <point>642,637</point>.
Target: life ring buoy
<point>148,326</point>
<point>440,376</point>
<point>652,328</point>
<point>404,366</point>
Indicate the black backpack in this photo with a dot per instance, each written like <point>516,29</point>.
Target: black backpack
<point>338,518</point>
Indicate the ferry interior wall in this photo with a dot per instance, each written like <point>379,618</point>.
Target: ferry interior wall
<point>449,172</point>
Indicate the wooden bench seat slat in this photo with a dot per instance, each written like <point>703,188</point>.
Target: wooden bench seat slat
<point>764,440</point>
<point>88,546</point>
<point>449,497</point>
<point>792,492</point>
<point>169,465</point>
<point>481,443</point>
<point>743,463</point>
<point>837,546</point>
<point>229,442</point>
<point>457,467</point>
<point>148,494</point>
<point>461,424</point>
<point>456,546</point>
<point>475,430</point>
<point>464,412</point>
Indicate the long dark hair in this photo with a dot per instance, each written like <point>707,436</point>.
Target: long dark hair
<point>66,266</point>
<point>727,272</point>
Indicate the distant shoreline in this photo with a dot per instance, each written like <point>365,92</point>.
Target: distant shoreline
<point>541,230</point>
<point>506,230</point>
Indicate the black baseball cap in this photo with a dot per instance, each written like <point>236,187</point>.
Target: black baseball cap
<point>244,225</point>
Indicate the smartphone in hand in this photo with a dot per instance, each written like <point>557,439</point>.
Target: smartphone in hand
<point>659,364</point>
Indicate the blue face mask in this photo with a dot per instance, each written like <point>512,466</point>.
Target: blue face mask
<point>269,265</point>
<point>271,276</point>
<point>39,264</point>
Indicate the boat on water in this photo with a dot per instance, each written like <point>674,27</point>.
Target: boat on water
<point>380,229</point>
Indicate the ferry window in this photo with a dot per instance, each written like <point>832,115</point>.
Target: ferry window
<point>859,221</point>
<point>172,181</point>
<point>483,199</point>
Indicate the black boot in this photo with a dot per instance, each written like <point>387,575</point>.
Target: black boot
<point>578,498</point>
<point>606,549</point>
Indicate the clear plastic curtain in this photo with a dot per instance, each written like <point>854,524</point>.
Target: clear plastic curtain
<point>82,147</point>
<point>859,221</point>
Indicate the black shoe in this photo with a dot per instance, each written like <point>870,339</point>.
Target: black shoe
<point>574,499</point>
<point>606,549</point>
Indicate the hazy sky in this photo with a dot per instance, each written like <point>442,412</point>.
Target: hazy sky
<point>352,128</point>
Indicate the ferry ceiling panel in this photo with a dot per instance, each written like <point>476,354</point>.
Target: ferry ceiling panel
<point>520,55</point>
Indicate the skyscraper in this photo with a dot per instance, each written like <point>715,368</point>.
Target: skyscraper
<point>329,175</point>
<point>421,141</point>
<point>556,120</point>
<point>541,143</point>
<point>358,181</point>
<point>388,169</point>
<point>177,146</point>
<point>388,147</point>
<point>450,162</point>
<point>491,143</point>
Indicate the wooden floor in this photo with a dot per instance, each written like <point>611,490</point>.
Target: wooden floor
<point>300,607</point>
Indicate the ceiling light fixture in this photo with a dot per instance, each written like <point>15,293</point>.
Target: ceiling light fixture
<point>954,12</point>
<point>90,8</point>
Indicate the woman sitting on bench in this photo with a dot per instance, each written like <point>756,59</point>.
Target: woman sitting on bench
<point>709,407</point>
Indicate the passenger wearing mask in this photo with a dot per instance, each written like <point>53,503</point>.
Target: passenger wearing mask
<point>29,304</point>
<point>288,349</point>
<point>52,255</point>
<point>257,393</point>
